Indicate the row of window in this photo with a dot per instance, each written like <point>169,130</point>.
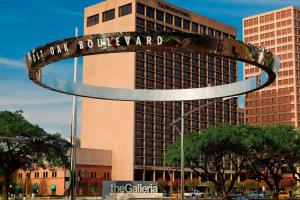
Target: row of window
<point>267,27</point>
<point>286,56</point>
<point>270,109</point>
<point>265,102</point>
<point>172,20</point>
<point>272,118</point>
<point>176,59</point>
<point>268,18</point>
<point>37,175</point>
<point>268,42</point>
<point>267,93</point>
<point>109,15</point>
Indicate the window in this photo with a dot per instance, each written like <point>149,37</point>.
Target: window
<point>178,21</point>
<point>139,29</point>
<point>169,30</point>
<point>93,175</point>
<point>54,174</point>
<point>159,15</point>
<point>150,12</point>
<point>202,30</point>
<point>108,15</point>
<point>195,27</point>
<point>186,24</point>
<point>169,18</point>
<point>159,28</point>
<point>20,175</point>
<point>218,33</point>
<point>125,10</point>
<point>45,174</point>
<point>141,9</point>
<point>92,20</point>
<point>36,175</point>
<point>140,22</point>
<point>210,31</point>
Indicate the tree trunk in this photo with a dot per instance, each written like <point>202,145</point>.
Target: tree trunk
<point>5,186</point>
<point>223,192</point>
<point>277,188</point>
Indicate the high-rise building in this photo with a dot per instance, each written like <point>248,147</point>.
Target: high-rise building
<point>138,133</point>
<point>279,31</point>
<point>241,116</point>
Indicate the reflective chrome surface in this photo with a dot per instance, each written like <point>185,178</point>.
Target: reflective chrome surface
<point>131,42</point>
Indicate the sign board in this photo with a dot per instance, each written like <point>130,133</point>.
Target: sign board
<point>67,179</point>
<point>130,187</point>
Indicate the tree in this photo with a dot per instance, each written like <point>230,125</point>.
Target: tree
<point>24,146</point>
<point>288,183</point>
<point>162,184</point>
<point>277,146</point>
<point>250,184</point>
<point>207,153</point>
<point>193,183</point>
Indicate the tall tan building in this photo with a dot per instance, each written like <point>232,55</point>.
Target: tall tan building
<point>279,31</point>
<point>138,133</point>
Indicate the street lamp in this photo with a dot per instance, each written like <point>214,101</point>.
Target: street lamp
<point>181,132</point>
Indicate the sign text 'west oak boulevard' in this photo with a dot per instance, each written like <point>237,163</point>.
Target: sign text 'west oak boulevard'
<point>102,43</point>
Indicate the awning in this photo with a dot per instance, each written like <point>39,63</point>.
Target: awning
<point>19,187</point>
<point>35,187</point>
<point>53,187</point>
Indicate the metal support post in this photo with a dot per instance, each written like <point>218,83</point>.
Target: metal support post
<point>182,152</point>
<point>73,133</point>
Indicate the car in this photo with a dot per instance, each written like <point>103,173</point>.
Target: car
<point>194,193</point>
<point>241,197</point>
<point>283,195</point>
<point>256,195</point>
<point>166,194</point>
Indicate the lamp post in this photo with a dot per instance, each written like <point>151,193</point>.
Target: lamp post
<point>181,132</point>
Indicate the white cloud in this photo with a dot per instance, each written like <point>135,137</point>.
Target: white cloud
<point>50,110</point>
<point>12,63</point>
<point>32,101</point>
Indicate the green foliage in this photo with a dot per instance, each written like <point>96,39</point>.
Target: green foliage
<point>206,151</point>
<point>26,146</point>
<point>250,184</point>
<point>193,183</point>
<point>162,184</point>
<point>262,151</point>
<point>276,146</point>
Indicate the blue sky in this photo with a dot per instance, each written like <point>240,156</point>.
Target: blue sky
<point>26,24</point>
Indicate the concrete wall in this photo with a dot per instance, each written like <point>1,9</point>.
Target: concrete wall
<point>109,124</point>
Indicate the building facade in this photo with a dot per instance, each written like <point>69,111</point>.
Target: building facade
<point>279,31</point>
<point>138,133</point>
<point>241,116</point>
<point>92,167</point>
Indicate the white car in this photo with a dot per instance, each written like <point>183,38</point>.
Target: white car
<point>195,194</point>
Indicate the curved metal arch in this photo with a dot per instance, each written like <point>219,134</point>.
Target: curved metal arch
<point>132,42</point>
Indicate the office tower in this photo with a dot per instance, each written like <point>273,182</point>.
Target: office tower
<point>279,31</point>
<point>138,133</point>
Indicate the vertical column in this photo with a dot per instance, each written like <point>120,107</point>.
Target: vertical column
<point>73,133</point>
<point>182,152</point>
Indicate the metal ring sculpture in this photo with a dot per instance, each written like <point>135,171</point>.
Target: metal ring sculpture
<point>132,42</point>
